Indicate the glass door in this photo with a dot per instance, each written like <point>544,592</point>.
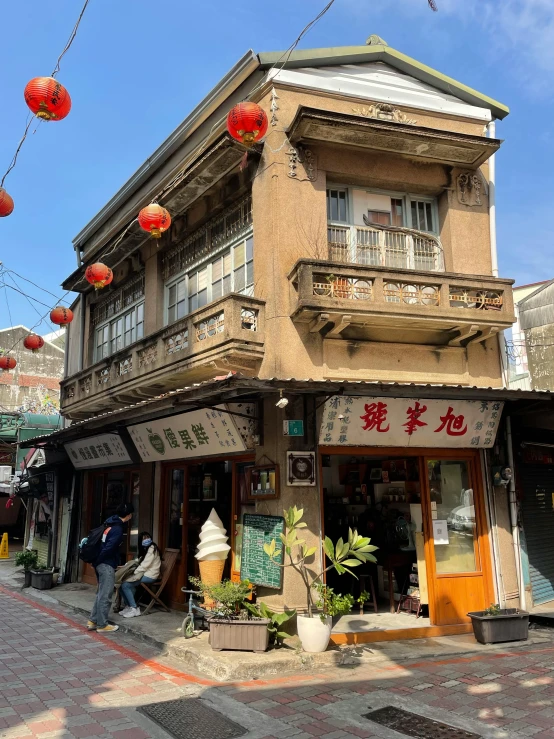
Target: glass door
<point>458,554</point>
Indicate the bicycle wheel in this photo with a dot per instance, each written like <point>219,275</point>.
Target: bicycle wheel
<point>188,626</point>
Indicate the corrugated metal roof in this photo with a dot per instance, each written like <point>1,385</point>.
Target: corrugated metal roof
<point>233,387</point>
<point>537,309</point>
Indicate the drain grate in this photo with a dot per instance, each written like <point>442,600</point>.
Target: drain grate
<point>412,724</point>
<point>189,718</point>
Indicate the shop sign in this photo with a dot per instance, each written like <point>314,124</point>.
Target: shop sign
<point>104,450</point>
<point>405,422</point>
<point>196,434</point>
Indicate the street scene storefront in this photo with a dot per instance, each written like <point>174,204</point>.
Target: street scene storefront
<point>407,473</point>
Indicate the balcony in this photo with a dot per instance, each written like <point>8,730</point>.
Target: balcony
<point>397,305</point>
<point>226,335</point>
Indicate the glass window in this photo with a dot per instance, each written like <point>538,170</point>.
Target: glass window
<point>336,205</point>
<point>422,215</point>
<point>102,342</point>
<point>120,332</point>
<point>175,532</point>
<point>454,529</point>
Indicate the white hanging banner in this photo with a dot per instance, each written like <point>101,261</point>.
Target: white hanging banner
<point>104,450</point>
<point>406,422</point>
<point>199,433</point>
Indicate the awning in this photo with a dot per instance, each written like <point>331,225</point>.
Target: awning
<point>236,389</point>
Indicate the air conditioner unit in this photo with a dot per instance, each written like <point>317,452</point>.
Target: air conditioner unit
<point>5,473</point>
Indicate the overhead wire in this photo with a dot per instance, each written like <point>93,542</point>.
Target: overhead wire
<point>54,73</point>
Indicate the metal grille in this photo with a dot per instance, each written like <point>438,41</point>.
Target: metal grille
<point>189,718</point>
<point>226,227</point>
<point>412,724</point>
<point>481,299</point>
<point>413,294</point>
<point>348,288</point>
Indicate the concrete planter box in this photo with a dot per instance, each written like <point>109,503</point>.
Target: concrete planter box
<point>510,624</point>
<point>41,579</point>
<point>244,635</point>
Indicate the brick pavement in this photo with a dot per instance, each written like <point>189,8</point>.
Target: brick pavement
<point>57,680</point>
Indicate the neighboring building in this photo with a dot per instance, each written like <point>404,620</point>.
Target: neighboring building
<point>34,384</point>
<point>353,250</point>
<point>519,376</point>
<point>536,334</point>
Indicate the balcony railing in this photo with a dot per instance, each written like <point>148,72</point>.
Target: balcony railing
<point>385,246</point>
<point>227,334</point>
<point>443,306</point>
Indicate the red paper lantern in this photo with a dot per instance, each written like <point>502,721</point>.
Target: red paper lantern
<point>61,315</point>
<point>154,219</point>
<point>98,275</point>
<point>47,98</point>
<point>6,203</point>
<point>7,363</point>
<point>247,123</point>
<point>34,342</point>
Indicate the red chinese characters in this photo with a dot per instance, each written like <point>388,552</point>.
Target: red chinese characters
<point>414,415</point>
<point>453,424</point>
<point>375,417</point>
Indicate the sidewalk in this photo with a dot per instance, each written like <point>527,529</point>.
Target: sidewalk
<point>59,681</point>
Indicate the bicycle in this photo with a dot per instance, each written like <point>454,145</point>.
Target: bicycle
<point>187,627</point>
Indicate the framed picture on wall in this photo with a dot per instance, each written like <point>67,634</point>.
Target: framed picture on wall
<point>301,468</point>
<point>375,473</point>
<point>263,482</point>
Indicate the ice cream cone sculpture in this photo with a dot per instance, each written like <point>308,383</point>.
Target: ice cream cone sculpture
<point>212,551</point>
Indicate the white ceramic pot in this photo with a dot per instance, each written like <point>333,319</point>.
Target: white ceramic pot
<point>314,633</point>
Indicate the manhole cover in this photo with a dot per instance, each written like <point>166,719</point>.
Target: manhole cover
<point>189,718</point>
<point>411,724</point>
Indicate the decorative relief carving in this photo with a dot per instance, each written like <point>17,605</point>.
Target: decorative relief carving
<point>469,186</point>
<point>305,159</point>
<point>85,386</point>
<point>103,376</point>
<point>274,107</point>
<point>384,112</point>
<point>69,392</point>
<point>148,355</point>
<point>125,366</point>
<point>177,342</point>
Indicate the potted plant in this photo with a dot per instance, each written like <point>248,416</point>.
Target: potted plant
<point>314,627</point>
<point>497,624</point>
<point>276,621</point>
<point>364,597</point>
<point>28,560</point>
<point>231,626</point>
<point>42,577</point>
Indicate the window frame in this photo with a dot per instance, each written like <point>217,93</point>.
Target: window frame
<point>406,197</point>
<point>113,321</point>
<point>206,263</point>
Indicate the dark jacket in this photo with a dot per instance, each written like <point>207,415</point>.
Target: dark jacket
<point>109,553</point>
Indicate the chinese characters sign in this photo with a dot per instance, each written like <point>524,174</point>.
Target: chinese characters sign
<point>196,434</point>
<point>105,450</point>
<point>405,422</point>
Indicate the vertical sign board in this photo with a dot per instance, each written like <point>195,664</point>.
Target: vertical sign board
<point>256,566</point>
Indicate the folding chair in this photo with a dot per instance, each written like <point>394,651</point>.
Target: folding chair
<point>154,589</point>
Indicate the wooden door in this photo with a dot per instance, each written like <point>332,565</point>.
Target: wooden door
<point>457,544</point>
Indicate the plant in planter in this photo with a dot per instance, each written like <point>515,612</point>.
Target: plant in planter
<point>364,597</point>
<point>42,578</point>
<point>28,560</point>
<point>261,610</point>
<point>496,624</point>
<point>314,632</point>
<point>230,625</point>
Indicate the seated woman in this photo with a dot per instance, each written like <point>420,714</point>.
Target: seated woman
<point>148,570</point>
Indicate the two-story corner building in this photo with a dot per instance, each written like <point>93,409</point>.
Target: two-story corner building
<point>347,265</point>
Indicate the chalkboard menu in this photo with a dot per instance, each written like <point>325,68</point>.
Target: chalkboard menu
<point>256,566</point>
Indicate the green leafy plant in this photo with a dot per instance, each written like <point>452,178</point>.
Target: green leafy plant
<point>261,610</point>
<point>343,556</point>
<point>330,603</point>
<point>362,600</point>
<point>27,559</point>
<point>493,610</point>
<point>229,596</point>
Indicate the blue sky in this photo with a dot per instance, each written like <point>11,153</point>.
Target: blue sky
<point>137,68</point>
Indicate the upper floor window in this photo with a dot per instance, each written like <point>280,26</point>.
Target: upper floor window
<point>396,230</point>
<point>231,270</point>
<point>118,320</point>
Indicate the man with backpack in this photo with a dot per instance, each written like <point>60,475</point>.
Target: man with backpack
<point>101,550</point>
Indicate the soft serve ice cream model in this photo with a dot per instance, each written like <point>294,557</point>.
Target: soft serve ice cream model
<point>212,549</point>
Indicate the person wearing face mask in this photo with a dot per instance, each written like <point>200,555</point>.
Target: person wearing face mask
<point>148,570</point>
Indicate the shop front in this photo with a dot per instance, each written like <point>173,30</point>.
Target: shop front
<point>409,474</point>
<point>205,462</point>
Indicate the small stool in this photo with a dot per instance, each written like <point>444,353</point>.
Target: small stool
<point>363,578</point>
